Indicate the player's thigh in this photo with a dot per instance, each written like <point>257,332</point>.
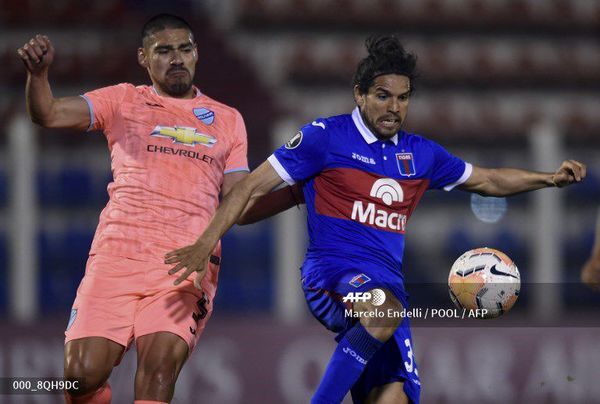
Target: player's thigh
<point>183,311</point>
<point>391,393</point>
<point>106,300</point>
<point>328,308</point>
<point>91,358</point>
<point>161,351</point>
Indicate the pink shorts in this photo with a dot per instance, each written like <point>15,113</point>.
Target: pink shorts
<point>122,299</point>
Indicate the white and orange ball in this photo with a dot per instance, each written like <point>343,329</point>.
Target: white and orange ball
<point>484,278</point>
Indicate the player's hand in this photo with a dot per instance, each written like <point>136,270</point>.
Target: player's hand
<point>570,171</point>
<point>194,258</point>
<point>590,274</point>
<point>37,54</point>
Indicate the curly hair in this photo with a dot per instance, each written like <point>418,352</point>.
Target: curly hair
<point>386,56</point>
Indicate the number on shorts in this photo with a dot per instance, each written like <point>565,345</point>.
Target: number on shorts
<point>202,307</point>
<point>409,365</point>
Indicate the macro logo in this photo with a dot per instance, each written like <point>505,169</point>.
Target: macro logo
<point>183,135</point>
<point>389,191</point>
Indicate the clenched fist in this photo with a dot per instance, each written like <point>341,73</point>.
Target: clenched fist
<point>37,54</point>
<point>570,171</point>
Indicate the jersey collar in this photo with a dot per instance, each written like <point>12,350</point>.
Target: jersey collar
<point>365,131</point>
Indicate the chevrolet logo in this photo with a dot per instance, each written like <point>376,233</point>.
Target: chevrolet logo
<point>183,135</point>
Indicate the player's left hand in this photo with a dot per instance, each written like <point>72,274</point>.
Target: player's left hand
<point>570,171</point>
<point>590,274</point>
<point>192,257</point>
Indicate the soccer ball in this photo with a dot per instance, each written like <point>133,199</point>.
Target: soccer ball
<point>484,278</point>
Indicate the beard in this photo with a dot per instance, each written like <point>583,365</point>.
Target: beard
<point>380,134</point>
<point>178,89</point>
<point>177,86</point>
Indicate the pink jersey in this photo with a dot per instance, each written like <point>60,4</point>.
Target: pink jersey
<point>168,159</point>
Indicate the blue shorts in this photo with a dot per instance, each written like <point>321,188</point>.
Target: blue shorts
<point>393,362</point>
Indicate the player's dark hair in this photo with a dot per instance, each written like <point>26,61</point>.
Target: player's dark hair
<point>163,21</point>
<point>386,56</point>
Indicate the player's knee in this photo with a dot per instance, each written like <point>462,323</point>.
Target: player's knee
<point>382,320</point>
<point>91,375</point>
<point>161,375</point>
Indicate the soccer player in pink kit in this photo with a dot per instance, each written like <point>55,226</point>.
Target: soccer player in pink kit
<point>173,150</point>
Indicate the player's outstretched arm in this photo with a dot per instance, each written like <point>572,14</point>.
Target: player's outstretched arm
<point>262,207</point>
<point>195,257</point>
<point>45,110</point>
<point>590,273</point>
<point>510,181</point>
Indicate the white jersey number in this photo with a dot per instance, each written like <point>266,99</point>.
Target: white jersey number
<point>410,366</point>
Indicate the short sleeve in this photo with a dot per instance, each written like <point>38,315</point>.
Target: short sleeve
<point>304,155</point>
<point>448,171</point>
<point>238,156</point>
<point>104,104</point>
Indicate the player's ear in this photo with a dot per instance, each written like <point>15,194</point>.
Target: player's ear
<point>195,53</point>
<point>141,57</point>
<point>359,98</point>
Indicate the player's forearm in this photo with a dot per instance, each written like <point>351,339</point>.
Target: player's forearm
<point>228,213</point>
<point>511,181</point>
<point>39,99</point>
<point>259,182</point>
<point>268,205</point>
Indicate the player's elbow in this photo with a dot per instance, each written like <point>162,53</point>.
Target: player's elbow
<point>487,191</point>
<point>38,120</point>
<point>492,185</point>
<point>249,215</point>
<point>496,189</point>
<point>244,220</point>
<point>493,191</point>
<point>45,121</point>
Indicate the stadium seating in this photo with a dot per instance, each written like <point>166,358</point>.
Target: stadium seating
<point>245,279</point>
<point>62,263</point>
<point>488,71</point>
<point>431,15</point>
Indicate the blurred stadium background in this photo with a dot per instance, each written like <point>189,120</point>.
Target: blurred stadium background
<point>503,83</point>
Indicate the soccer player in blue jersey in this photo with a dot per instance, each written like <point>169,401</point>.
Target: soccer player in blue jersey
<point>362,176</point>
